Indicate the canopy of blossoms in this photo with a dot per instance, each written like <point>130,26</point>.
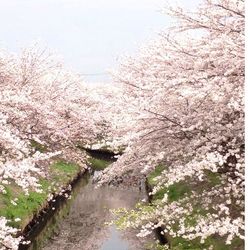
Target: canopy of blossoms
<point>183,100</point>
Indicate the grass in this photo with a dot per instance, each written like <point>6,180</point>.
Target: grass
<point>175,191</point>
<point>212,178</point>
<point>38,146</point>
<point>98,164</point>
<point>157,172</point>
<point>179,243</point>
<point>60,174</point>
<point>27,205</point>
<point>179,190</point>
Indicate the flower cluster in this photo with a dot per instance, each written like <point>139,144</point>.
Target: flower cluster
<point>7,236</point>
<point>46,111</point>
<point>182,102</point>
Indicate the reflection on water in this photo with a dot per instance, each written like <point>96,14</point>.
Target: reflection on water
<point>84,229</point>
<point>115,241</point>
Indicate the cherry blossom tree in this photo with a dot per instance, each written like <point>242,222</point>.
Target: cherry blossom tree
<point>40,103</point>
<point>179,104</point>
<point>183,107</point>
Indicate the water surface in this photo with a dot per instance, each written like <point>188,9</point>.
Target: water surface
<point>84,228</point>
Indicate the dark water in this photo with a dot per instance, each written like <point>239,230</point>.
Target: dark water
<point>84,228</point>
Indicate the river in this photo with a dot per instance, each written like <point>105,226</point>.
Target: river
<point>84,227</point>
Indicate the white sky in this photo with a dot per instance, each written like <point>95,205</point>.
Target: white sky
<point>89,34</point>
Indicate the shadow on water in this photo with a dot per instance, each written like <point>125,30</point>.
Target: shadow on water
<point>45,223</point>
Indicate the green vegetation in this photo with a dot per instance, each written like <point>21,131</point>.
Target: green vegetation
<point>26,205</point>
<point>62,172</point>
<point>124,216</point>
<point>158,170</point>
<point>212,178</point>
<point>155,246</point>
<point>179,243</point>
<point>52,226</point>
<point>15,204</point>
<point>175,191</point>
<point>98,164</point>
<point>38,146</point>
<point>180,190</point>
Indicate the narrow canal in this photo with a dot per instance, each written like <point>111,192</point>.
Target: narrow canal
<point>84,227</point>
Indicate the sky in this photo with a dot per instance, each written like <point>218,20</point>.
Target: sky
<point>90,35</point>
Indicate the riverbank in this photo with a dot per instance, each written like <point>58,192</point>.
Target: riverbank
<point>85,227</point>
<point>176,192</point>
<point>24,211</point>
<point>37,214</point>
